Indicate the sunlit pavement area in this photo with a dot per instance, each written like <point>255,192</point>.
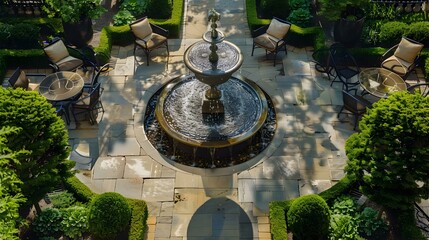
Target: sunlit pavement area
<point>306,156</point>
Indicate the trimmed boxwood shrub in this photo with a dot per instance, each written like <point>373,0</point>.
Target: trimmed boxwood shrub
<point>391,33</point>
<point>309,212</point>
<point>109,214</point>
<point>138,207</point>
<point>419,31</point>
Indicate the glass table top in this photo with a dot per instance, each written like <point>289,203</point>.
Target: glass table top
<point>61,86</point>
<point>380,82</point>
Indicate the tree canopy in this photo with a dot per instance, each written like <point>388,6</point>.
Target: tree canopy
<point>41,147</point>
<point>390,156</point>
<point>10,193</point>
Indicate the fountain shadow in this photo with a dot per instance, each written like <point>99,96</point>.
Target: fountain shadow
<point>220,218</point>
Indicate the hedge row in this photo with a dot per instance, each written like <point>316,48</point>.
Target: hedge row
<point>278,209</point>
<point>139,208</point>
<point>298,37</point>
<point>119,35</point>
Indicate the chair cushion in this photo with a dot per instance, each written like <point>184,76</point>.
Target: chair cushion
<point>265,41</point>
<point>83,101</point>
<point>56,51</point>
<point>22,81</point>
<point>33,87</point>
<point>69,63</point>
<point>155,41</point>
<point>278,29</point>
<point>142,29</point>
<point>408,51</point>
<point>396,65</point>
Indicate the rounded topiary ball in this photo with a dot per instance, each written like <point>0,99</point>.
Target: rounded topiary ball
<point>109,214</point>
<point>308,218</point>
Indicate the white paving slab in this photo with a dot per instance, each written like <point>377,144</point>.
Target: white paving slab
<point>141,167</point>
<point>130,188</point>
<point>155,190</point>
<point>108,167</point>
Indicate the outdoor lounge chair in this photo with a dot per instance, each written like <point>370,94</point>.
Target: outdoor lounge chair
<point>148,36</point>
<point>345,66</point>
<point>402,58</point>
<point>272,37</point>
<point>355,104</point>
<point>20,79</point>
<point>60,58</point>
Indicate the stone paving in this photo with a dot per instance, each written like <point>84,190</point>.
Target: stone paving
<point>306,156</point>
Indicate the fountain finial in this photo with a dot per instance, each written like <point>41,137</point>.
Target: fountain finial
<point>213,17</point>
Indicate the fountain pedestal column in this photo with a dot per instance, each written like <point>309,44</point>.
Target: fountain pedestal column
<point>213,102</point>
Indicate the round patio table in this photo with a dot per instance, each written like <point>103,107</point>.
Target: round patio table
<point>61,86</point>
<point>380,82</point>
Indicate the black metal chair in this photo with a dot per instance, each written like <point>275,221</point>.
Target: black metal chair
<point>402,58</point>
<point>148,37</point>
<point>355,104</point>
<point>91,81</point>
<point>61,108</point>
<point>421,88</point>
<point>323,62</point>
<point>20,79</point>
<point>89,102</point>
<point>272,37</point>
<point>344,64</point>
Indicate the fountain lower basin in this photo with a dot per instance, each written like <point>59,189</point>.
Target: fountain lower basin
<point>185,136</point>
<point>180,115</point>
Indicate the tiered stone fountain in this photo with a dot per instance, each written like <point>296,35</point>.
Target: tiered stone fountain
<point>211,119</point>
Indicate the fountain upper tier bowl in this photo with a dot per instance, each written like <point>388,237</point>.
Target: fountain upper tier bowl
<point>197,60</point>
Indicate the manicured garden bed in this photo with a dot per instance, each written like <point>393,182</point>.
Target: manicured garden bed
<point>77,199</point>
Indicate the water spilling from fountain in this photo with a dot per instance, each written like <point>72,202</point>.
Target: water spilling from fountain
<point>211,119</point>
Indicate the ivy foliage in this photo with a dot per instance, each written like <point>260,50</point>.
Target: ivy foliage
<point>390,155</point>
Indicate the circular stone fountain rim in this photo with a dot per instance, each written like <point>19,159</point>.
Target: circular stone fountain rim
<point>211,72</point>
<point>210,144</point>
